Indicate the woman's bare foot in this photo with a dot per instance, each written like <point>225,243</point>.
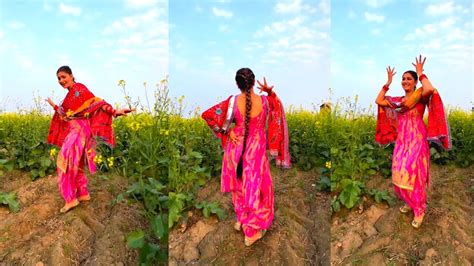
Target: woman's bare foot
<point>250,240</point>
<point>406,208</point>
<point>417,221</point>
<point>69,206</point>
<point>237,226</point>
<point>84,197</point>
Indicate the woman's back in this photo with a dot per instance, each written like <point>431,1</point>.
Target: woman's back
<point>257,104</point>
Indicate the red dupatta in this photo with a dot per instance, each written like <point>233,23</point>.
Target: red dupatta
<point>220,116</point>
<point>278,142</point>
<point>80,103</point>
<point>438,127</point>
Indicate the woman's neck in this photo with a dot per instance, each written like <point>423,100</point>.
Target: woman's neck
<point>409,93</point>
<point>252,93</point>
<point>71,86</point>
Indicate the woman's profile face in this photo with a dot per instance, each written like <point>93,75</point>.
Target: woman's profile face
<point>408,82</point>
<point>65,79</point>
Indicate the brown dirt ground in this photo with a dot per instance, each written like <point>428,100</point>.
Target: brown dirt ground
<point>91,234</point>
<point>299,234</point>
<point>377,234</point>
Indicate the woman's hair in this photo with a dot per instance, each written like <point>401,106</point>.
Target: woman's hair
<point>413,74</point>
<point>245,80</point>
<point>65,69</point>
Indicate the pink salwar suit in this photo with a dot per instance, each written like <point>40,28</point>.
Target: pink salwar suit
<point>411,156</point>
<point>252,194</point>
<point>76,123</point>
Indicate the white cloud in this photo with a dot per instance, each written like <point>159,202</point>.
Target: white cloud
<point>132,22</point>
<point>218,12</point>
<point>294,38</point>
<point>273,29</point>
<point>15,25</point>
<point>140,3</point>
<point>448,22</point>
<point>70,10</point>
<point>296,21</point>
<point>134,39</point>
<point>440,9</point>
<point>325,7</point>
<point>377,3</point>
<point>288,6</point>
<point>372,17</point>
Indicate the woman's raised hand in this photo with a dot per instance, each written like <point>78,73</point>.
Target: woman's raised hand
<point>264,87</point>
<point>419,65</point>
<point>390,73</point>
<point>50,102</point>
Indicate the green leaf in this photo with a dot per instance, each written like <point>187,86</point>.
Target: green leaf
<point>220,214</point>
<point>136,239</point>
<point>148,253</point>
<point>10,200</point>
<point>350,194</point>
<point>158,226</point>
<point>206,212</point>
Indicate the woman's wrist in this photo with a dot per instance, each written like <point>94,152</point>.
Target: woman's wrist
<point>385,87</point>
<point>422,77</point>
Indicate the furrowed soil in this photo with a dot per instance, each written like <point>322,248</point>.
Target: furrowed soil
<point>93,233</point>
<point>377,234</point>
<point>299,234</point>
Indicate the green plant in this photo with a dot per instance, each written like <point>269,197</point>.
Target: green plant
<point>209,208</point>
<point>10,200</point>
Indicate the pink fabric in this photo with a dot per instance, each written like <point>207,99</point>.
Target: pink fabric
<point>416,198</point>
<point>252,195</point>
<point>77,150</point>
<point>411,159</point>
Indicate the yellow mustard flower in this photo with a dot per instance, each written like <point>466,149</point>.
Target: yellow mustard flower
<point>110,161</point>
<point>52,152</point>
<point>98,159</point>
<point>328,165</point>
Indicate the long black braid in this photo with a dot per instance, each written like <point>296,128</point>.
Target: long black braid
<point>245,80</point>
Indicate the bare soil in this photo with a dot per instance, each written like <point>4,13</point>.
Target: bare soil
<point>93,233</point>
<point>376,234</point>
<point>299,234</point>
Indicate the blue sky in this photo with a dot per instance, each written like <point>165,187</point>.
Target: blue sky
<point>285,41</point>
<point>303,47</point>
<point>102,41</point>
<point>368,35</point>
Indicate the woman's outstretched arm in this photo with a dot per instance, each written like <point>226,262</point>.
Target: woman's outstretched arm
<point>380,100</point>
<point>110,110</point>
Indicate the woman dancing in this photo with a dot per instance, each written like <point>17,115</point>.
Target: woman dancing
<point>76,122</point>
<point>400,120</point>
<point>245,167</point>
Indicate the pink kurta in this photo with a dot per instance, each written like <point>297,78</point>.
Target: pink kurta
<point>411,159</point>
<point>252,195</point>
